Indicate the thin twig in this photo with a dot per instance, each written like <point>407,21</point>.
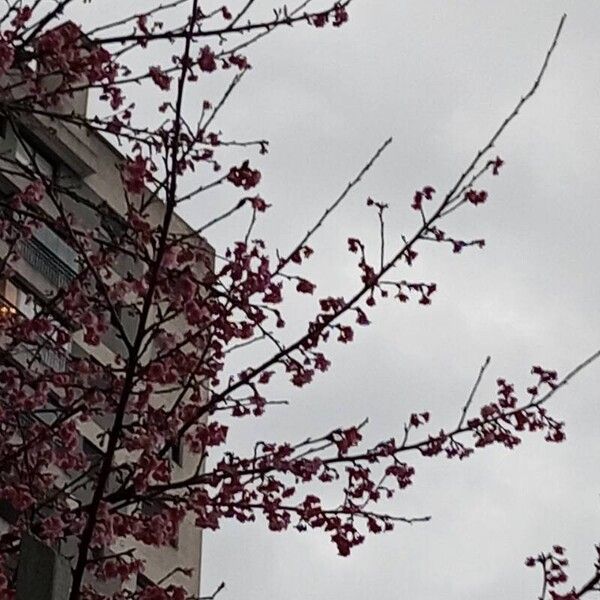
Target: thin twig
<point>335,204</point>
<point>590,586</point>
<point>214,594</point>
<point>512,114</point>
<point>467,405</point>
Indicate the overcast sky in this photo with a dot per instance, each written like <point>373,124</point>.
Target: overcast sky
<point>438,76</point>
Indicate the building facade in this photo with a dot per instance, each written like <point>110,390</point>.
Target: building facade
<point>89,164</point>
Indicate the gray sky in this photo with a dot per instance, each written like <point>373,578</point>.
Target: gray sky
<point>438,76</point>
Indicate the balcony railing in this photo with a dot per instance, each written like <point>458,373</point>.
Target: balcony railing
<point>47,263</point>
<point>57,361</point>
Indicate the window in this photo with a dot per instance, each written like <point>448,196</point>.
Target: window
<point>8,298</point>
<point>26,304</point>
<point>177,453</point>
<point>8,512</point>
<point>48,354</point>
<point>113,224</point>
<point>15,299</point>
<point>29,154</point>
<point>142,582</point>
<point>93,453</point>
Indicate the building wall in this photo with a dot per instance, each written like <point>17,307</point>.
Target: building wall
<point>91,165</point>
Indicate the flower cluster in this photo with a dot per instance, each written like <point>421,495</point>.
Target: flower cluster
<point>134,337</point>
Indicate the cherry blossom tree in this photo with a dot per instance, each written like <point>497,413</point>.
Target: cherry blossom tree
<point>181,312</point>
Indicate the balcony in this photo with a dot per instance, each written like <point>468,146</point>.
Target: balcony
<point>57,361</point>
<point>44,353</point>
<point>57,265</point>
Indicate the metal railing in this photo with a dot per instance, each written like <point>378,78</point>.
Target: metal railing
<point>57,361</point>
<point>47,263</point>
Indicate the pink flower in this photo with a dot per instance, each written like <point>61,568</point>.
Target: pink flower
<point>305,287</point>
<point>475,197</point>
<point>32,195</point>
<point>496,164</point>
<point>135,173</point>
<point>244,176</point>
<point>206,60</point>
<point>160,78</point>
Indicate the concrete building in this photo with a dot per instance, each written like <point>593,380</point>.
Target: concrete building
<point>89,164</point>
